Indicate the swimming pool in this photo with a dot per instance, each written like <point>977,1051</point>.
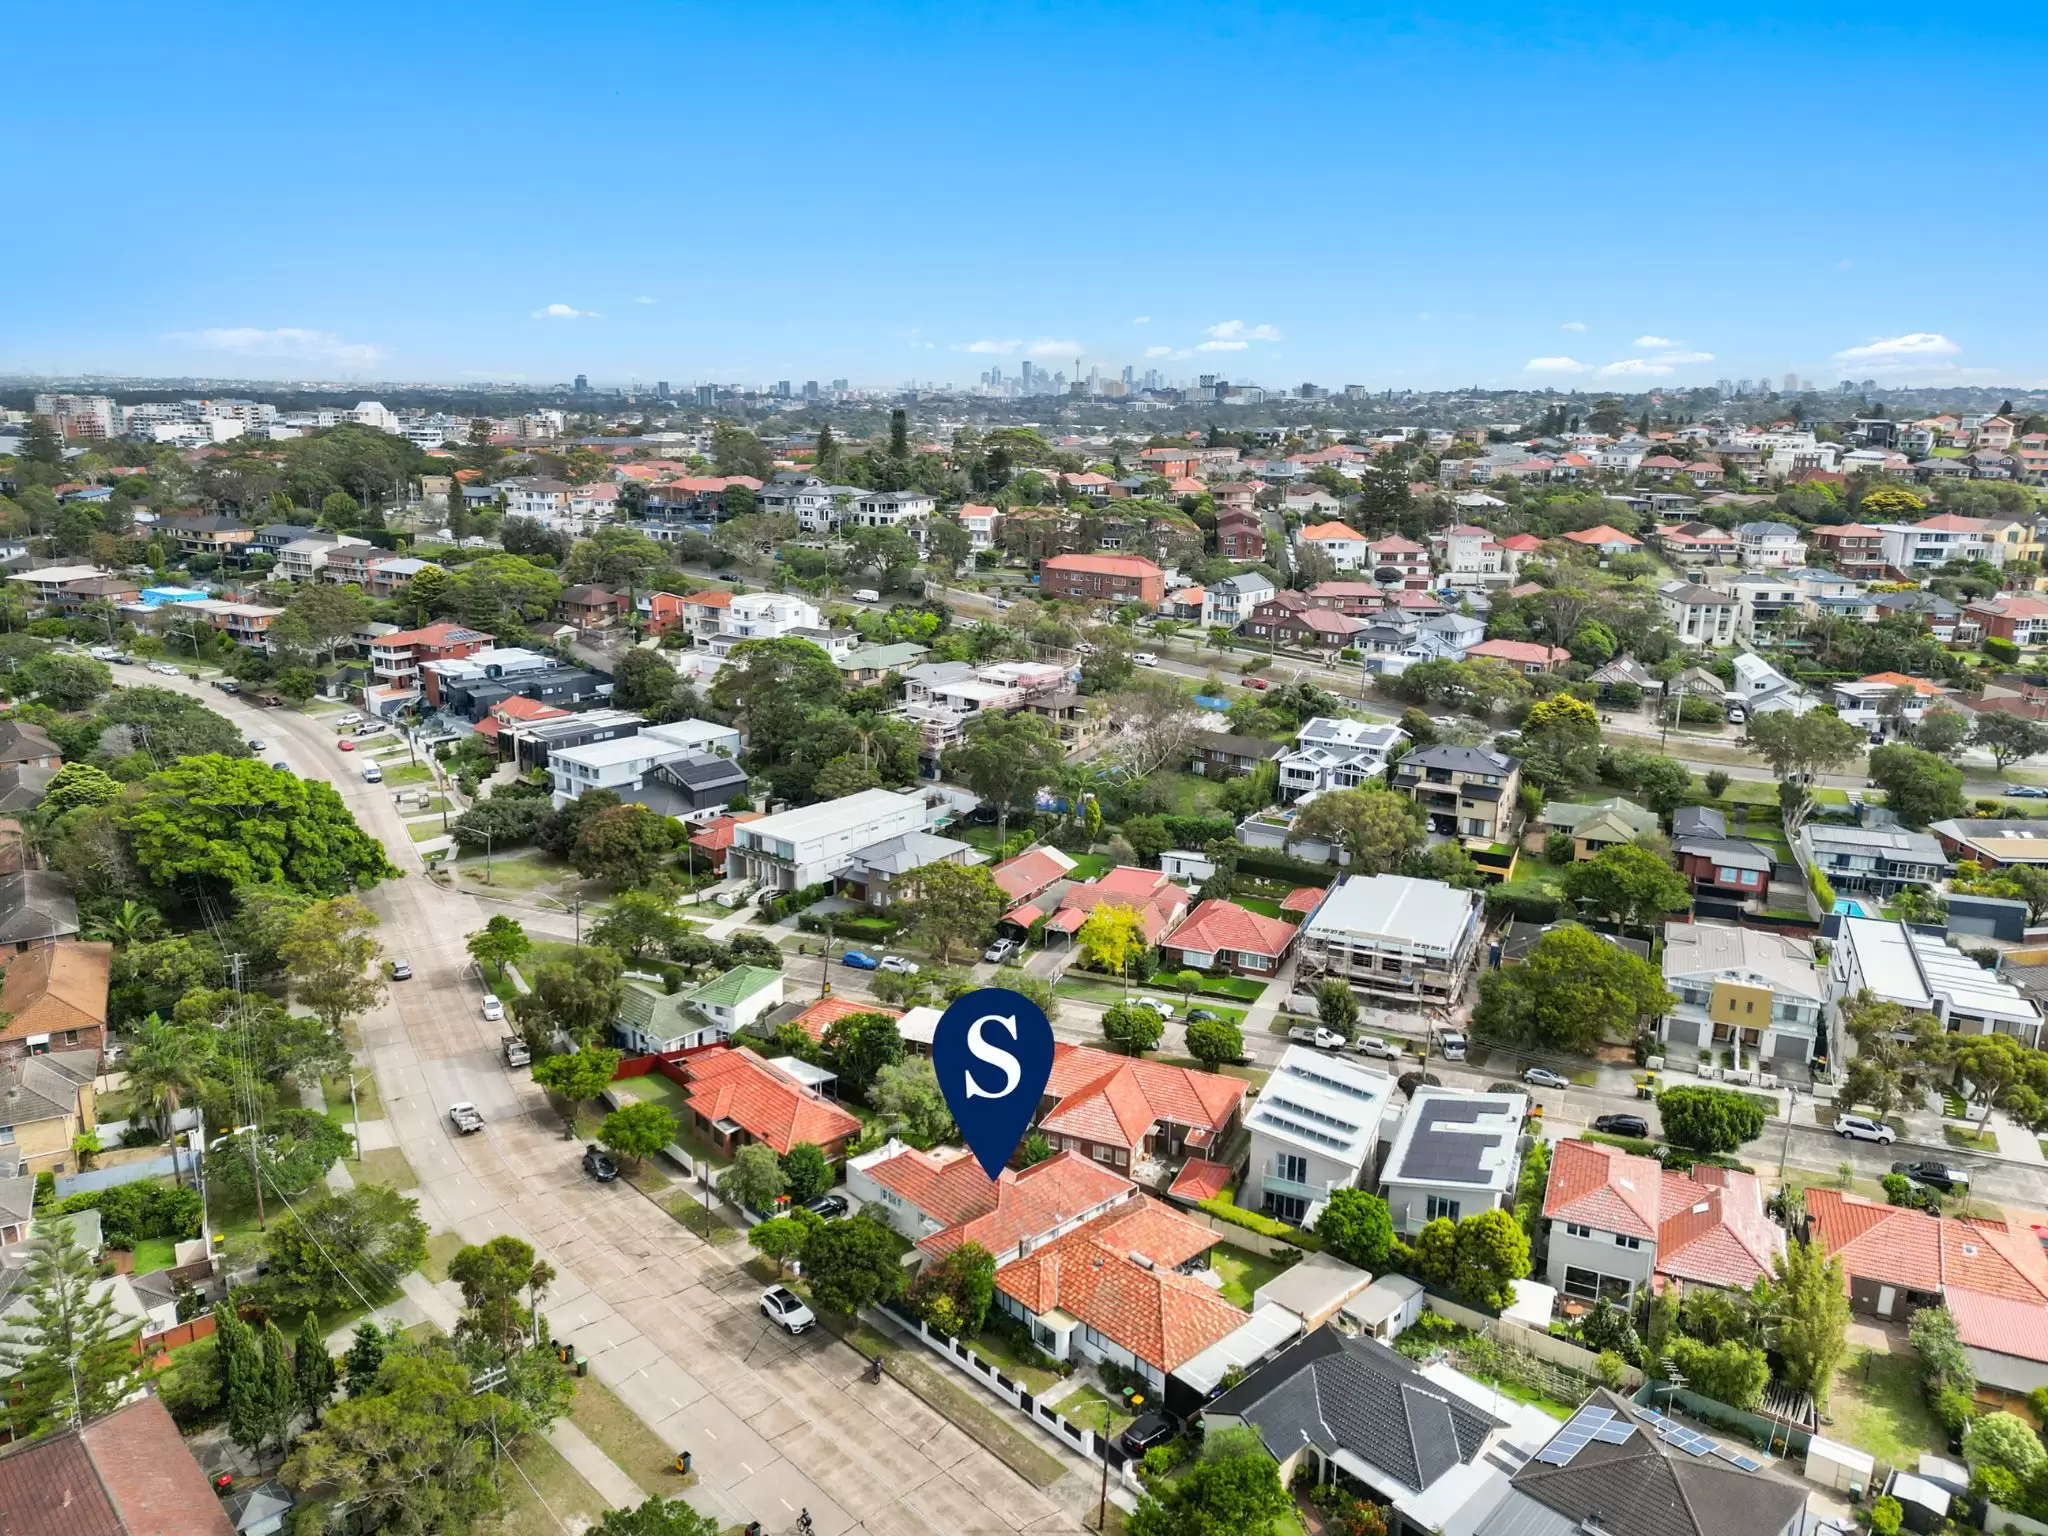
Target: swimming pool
<point>1846,906</point>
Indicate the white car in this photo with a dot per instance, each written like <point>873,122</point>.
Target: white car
<point>899,965</point>
<point>786,1310</point>
<point>351,718</point>
<point>163,668</point>
<point>1144,659</point>
<point>1543,1077</point>
<point>1863,1128</point>
<point>1373,1045</point>
<point>1164,1010</point>
<point>493,1009</point>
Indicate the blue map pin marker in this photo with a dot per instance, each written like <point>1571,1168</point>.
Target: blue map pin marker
<point>993,1052</point>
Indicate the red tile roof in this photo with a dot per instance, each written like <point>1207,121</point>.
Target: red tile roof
<point>1396,545</point>
<point>1919,1252</point>
<point>827,1011</point>
<point>1306,899</point>
<point>1708,1225</point>
<point>1163,1318</point>
<point>946,1185</point>
<point>1217,924</point>
<point>1333,531</point>
<point>1030,872</point>
<point>1116,1100</point>
<point>1199,1179</point>
<point>714,599</point>
<point>1523,542</point>
<point>126,1474</point>
<point>1155,898</point>
<point>1919,685</point>
<point>446,632</point>
<point>734,1084</point>
<point>716,836</point>
<point>1103,565</point>
<point>1604,1187</point>
<point>519,707</point>
<point>1602,535</point>
<point>1030,1203</point>
<point>1999,1323</point>
<point>1526,652</point>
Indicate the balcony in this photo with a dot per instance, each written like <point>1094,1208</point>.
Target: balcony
<point>1273,1184</point>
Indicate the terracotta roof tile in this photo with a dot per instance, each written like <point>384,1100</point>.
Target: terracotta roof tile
<point>1199,1179</point>
<point>1999,1323</point>
<point>1030,872</point>
<point>733,1083</point>
<point>1218,924</point>
<point>947,1185</point>
<point>55,987</point>
<point>822,1014</point>
<point>1104,1097</point>
<point>1029,1203</point>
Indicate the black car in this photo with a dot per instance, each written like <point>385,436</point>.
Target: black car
<point>1200,1015</point>
<point>1623,1125</point>
<point>1935,1176</point>
<point>1145,1432</point>
<point>598,1166</point>
<point>828,1206</point>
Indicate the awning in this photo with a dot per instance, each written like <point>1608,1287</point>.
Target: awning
<point>1269,1328</point>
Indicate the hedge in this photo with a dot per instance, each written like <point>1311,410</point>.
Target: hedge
<point>1224,1209</point>
<point>1281,866</point>
<point>776,908</point>
<point>129,1213</point>
<point>1192,832</point>
<point>1823,892</point>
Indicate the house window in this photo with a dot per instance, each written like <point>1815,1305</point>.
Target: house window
<point>1581,1282</point>
<point>1288,1166</point>
<point>1439,1205</point>
<point>6,1135</point>
<point>1623,1240</point>
<point>1102,1154</point>
<point>1575,1229</point>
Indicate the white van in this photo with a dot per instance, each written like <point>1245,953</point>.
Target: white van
<point>1452,1045</point>
<point>867,595</point>
<point>372,774</point>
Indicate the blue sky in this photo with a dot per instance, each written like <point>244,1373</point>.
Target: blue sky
<point>745,192</point>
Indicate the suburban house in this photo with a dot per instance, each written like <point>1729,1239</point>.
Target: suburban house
<point>127,1473</point>
<point>2006,1340</point>
<point>589,607</point>
<point>1125,1112</point>
<point>1884,701</point>
<point>1465,791</point>
<point>1331,753</point>
<point>1599,825</point>
<point>941,1199</point>
<point>1405,556</point>
<point>882,874</point>
<point>1394,938</point>
<point>1359,599</point>
<point>1746,989</point>
<point>684,766</point>
<point>1767,544</point>
<point>1715,863</point>
<point>1617,1220</point>
<point>1525,655</point>
<point>736,1099</point>
<point>2018,617</point>
<point>1896,963</point>
<point>1103,578</point>
<point>1455,1154</point>
<point>1348,1409</point>
<point>395,658</point>
<point>1315,1128</point>
<point>1993,843</point>
<point>23,744</point>
<point>1698,614</point>
<point>1220,755</point>
<point>652,1020</point>
<point>1896,1259</point>
<point>1854,549</point>
<point>1944,620</point>
<point>794,849</point>
<point>1031,872</point>
<point>1221,935</point>
<point>36,907</point>
<point>54,998</point>
<point>46,1103</point>
<point>1344,546</point>
<point>1158,902</point>
<point>1879,859</point>
<point>1240,534</point>
<point>1697,544</point>
<point>1605,539</point>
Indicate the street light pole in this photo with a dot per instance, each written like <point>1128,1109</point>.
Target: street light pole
<point>355,1109</point>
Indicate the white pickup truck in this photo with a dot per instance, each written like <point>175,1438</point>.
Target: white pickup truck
<point>1317,1036</point>
<point>515,1051</point>
<point>465,1119</point>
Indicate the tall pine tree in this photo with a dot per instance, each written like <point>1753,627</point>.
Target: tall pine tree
<point>241,1369</point>
<point>312,1369</point>
<point>365,1358</point>
<point>76,1358</point>
<point>278,1392</point>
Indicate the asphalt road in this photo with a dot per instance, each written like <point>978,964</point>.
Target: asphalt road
<point>669,1322</point>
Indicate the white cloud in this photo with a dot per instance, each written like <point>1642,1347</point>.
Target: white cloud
<point>1223,346</point>
<point>1913,345</point>
<point>1142,320</point>
<point>1685,357</point>
<point>1237,330</point>
<point>564,312</point>
<point>1573,325</point>
<point>1636,368</point>
<point>1655,343</point>
<point>286,341</point>
<point>643,299</point>
<point>1555,365</point>
<point>993,348</point>
<point>1169,352</point>
<point>1051,346</point>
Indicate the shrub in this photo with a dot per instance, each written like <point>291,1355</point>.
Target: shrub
<point>1611,1369</point>
<point>192,1389</point>
<point>1221,1207</point>
<point>1885,1516</point>
<point>130,1213</point>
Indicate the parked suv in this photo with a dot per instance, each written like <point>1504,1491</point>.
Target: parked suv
<point>1863,1128</point>
<point>1373,1045</point>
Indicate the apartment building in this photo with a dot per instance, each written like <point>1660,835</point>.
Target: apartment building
<point>1315,1129</point>
<point>1699,615</point>
<point>794,849</point>
<point>1456,1154</point>
<point>1896,963</point>
<point>225,538</point>
<point>1229,602</point>
<point>1917,549</point>
<point>1762,600</point>
<point>1767,545</point>
<point>395,658</point>
<point>1394,938</point>
<point>306,559</point>
<point>1329,753</point>
<point>1103,578</point>
<point>1757,993</point>
<point>1465,791</point>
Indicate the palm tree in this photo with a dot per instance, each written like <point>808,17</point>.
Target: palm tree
<point>128,924</point>
<point>163,1071</point>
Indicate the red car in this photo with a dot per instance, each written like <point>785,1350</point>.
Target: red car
<point>346,745</point>
<point>1257,682</point>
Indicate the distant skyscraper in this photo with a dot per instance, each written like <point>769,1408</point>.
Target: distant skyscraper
<point>707,395</point>
<point>1130,376</point>
<point>839,386</point>
<point>661,389</point>
<point>1026,373</point>
<point>582,385</point>
<point>810,389</point>
<point>1791,383</point>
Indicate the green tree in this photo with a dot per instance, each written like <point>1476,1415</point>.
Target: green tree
<point>499,943</point>
<point>577,1076</point>
<point>1994,1065</point>
<point>771,689</point>
<point>1918,786</point>
<point>807,1172</point>
<point>1492,1254</point>
<point>1733,1373</point>
<point>1436,1252</point>
<point>967,1277</point>
<point>64,681</point>
<point>494,1277</point>
<point>1377,827</point>
<point>2003,1440</point>
<point>953,907</point>
<point>755,1179</point>
<point>1561,743</point>
<point>1113,937</point>
<point>656,1517</point>
<point>1574,991</point>
<point>638,1130</point>
<point>1337,1006</point>
<point>77,786</point>
<point>1942,731</point>
<point>780,1238</point>
<point>417,1453</point>
<point>909,1096</point>
<point>346,1247</point>
<point>1132,1028</point>
<point>625,844</point>
<point>1232,1490</point>
<point>1006,759</point>
<point>365,1356</point>
<point>851,1264</point>
<point>1811,1306</point>
<point>230,822</point>
<point>313,1373</point>
<point>1355,1225</point>
<point>579,996</point>
<point>329,956</point>
<point>1628,885</point>
<point>1709,1120</point>
<point>277,1396</point>
<point>295,1148</point>
<point>71,1358</point>
<point>2009,738</point>
<point>640,924</point>
<point>1892,1044</point>
<point>643,680</point>
<point>241,1357</point>
<point>1215,1042</point>
<point>1810,743</point>
<point>861,1045</point>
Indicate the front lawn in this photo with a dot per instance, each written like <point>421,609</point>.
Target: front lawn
<point>425,831</point>
<point>519,872</point>
<point>1083,1407</point>
<point>1877,1407</point>
<point>996,1350</point>
<point>410,773</point>
<point>1243,1272</point>
<point>655,1088</point>
<point>441,1247</point>
<point>1244,988</point>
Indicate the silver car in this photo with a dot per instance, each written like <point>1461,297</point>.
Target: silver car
<point>1543,1077</point>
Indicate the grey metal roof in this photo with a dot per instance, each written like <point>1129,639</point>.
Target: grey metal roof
<point>36,905</point>
<point>1728,851</point>
<point>1340,1393</point>
<point>912,850</point>
<point>1462,759</point>
<point>1698,821</point>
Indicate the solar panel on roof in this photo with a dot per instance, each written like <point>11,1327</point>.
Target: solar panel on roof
<point>1615,1433</point>
<point>1698,1445</point>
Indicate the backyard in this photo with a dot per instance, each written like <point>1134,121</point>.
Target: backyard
<point>1876,1406</point>
<point>1243,1272</point>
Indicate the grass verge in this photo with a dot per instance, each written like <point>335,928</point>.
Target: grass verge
<point>385,1165</point>
<point>597,1411</point>
<point>1083,1407</point>
<point>368,1101</point>
<point>441,1247</point>
<point>550,1497</point>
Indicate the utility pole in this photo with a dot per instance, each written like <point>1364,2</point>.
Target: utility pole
<point>355,1110</point>
<point>255,1167</point>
